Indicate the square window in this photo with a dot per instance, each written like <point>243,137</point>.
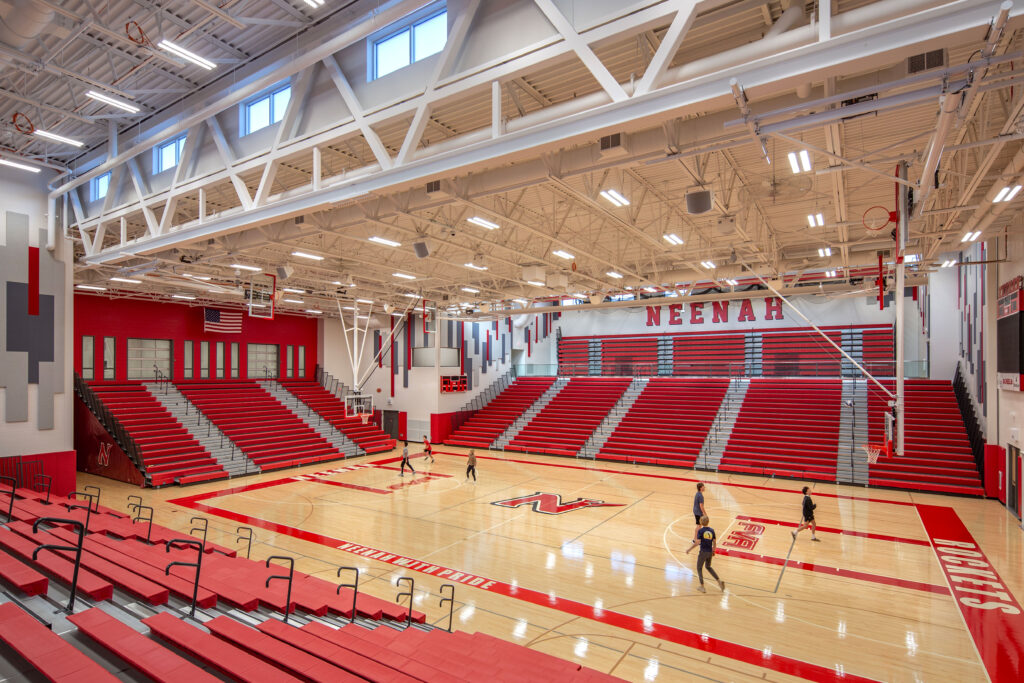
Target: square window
<point>98,187</point>
<point>168,154</point>
<point>265,111</point>
<point>391,54</point>
<point>258,114</point>
<point>279,103</point>
<point>429,37</point>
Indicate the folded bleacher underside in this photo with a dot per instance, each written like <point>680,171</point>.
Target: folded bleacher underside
<point>367,436</point>
<point>235,635</point>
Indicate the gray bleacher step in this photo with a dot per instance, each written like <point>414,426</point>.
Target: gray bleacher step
<point>227,454</point>
<point>611,421</point>
<point>721,427</point>
<point>520,422</point>
<point>301,410</point>
<point>851,459</point>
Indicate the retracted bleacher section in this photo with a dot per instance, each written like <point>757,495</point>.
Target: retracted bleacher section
<point>170,454</point>
<point>488,423</point>
<point>126,622</point>
<point>565,424</point>
<point>938,454</point>
<point>268,433</point>
<point>367,436</point>
<point>787,427</point>
<point>668,423</point>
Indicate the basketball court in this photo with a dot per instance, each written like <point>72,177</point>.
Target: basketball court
<point>607,582</point>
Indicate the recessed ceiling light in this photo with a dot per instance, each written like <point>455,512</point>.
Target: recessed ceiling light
<point>23,167</point>
<point>385,242</point>
<point>92,287</point>
<point>710,265</point>
<point>612,273</point>
<point>805,161</point>
<point>816,220</point>
<point>124,279</point>
<point>253,269</point>
<point>673,239</point>
<point>57,138</point>
<point>105,99</point>
<point>535,283</point>
<point>312,257</point>
<point>825,251</point>
<point>313,311</point>
<point>971,236</point>
<point>949,263</point>
<point>404,276</point>
<point>470,290</point>
<point>294,301</point>
<point>363,301</point>
<point>475,267</point>
<point>483,223</point>
<point>1007,193</point>
<point>292,290</point>
<point>563,254</point>
<point>615,198</point>
<point>183,296</point>
<point>187,55</point>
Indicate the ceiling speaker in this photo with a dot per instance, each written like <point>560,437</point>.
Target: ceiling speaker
<point>421,249</point>
<point>699,202</point>
<point>285,272</point>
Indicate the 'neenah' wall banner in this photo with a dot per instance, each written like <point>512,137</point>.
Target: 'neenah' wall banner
<point>701,312</point>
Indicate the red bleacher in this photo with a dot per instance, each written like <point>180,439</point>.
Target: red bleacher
<point>668,422</point>
<point>938,454</point>
<point>787,427</point>
<point>565,424</point>
<point>367,436</point>
<point>169,452</point>
<point>269,433</point>
<point>490,421</point>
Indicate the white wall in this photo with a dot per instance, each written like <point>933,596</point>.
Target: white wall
<point>944,321</point>
<point>25,193</point>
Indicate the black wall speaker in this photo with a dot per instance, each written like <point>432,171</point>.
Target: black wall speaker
<point>421,249</point>
<point>285,272</point>
<point>698,202</point>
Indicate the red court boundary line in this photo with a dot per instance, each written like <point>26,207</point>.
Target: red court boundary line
<point>835,571</point>
<point>699,641</point>
<point>844,532</point>
<point>665,476</point>
<point>341,484</point>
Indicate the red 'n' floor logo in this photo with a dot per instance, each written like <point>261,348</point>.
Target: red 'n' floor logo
<point>551,503</point>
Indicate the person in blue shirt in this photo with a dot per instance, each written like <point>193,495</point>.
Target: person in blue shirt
<point>698,504</point>
<point>708,542</point>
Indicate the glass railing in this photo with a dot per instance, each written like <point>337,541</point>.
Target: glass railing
<point>917,369</point>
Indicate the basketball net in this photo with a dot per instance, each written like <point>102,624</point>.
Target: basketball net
<point>365,417</point>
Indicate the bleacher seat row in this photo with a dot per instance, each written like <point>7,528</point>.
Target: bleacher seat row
<point>367,436</point>
<point>492,420</point>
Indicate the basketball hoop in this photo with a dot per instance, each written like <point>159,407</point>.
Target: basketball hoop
<point>872,452</point>
<point>365,417</point>
<point>877,217</point>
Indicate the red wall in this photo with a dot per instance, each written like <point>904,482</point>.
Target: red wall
<point>101,317</point>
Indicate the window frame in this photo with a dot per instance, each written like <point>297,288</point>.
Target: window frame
<point>94,187</point>
<point>88,357</point>
<point>245,123</point>
<point>219,372</point>
<point>179,146</point>
<point>109,359</point>
<point>204,360</point>
<point>409,25</point>
<point>188,367</point>
<point>234,360</point>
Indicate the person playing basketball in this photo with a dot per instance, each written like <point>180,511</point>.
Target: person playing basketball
<point>471,464</point>
<point>426,449</point>
<point>808,515</point>
<point>707,539</point>
<point>405,460</point>
<point>698,504</point>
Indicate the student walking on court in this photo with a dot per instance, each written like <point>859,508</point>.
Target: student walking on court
<point>405,460</point>
<point>808,515</point>
<point>708,542</point>
<point>471,464</point>
<point>427,449</point>
<point>698,504</point>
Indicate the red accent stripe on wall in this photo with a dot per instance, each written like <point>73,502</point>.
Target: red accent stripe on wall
<point>33,280</point>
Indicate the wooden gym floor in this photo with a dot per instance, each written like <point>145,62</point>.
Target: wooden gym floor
<point>601,575</point>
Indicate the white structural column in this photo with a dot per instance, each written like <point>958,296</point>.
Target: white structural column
<point>901,326</point>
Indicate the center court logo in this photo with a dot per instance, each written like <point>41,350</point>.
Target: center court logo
<point>551,503</point>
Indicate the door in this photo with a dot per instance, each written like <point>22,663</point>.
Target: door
<point>1013,481</point>
<point>390,425</point>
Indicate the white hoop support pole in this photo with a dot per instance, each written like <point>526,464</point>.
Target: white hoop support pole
<point>825,336</point>
<point>384,347</point>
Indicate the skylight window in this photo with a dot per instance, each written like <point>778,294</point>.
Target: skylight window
<point>168,154</point>
<point>266,110</point>
<point>411,43</point>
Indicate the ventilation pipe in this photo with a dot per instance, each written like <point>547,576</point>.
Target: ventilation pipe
<point>787,21</point>
<point>23,22</point>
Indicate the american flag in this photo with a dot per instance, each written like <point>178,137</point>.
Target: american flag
<point>216,320</point>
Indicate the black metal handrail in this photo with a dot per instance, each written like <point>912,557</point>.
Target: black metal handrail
<point>10,506</point>
<point>249,537</point>
<point>450,599</point>
<point>283,577</point>
<point>402,594</point>
<point>971,424</point>
<point>77,549</point>
<point>139,518</point>
<point>354,586</point>
<point>47,480</point>
<point>110,423</point>
<point>198,564</point>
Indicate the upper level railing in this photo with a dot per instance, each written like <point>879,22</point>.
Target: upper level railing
<point>916,369</point>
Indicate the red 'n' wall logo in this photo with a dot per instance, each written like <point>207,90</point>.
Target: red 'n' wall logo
<point>103,457</point>
<point>551,503</point>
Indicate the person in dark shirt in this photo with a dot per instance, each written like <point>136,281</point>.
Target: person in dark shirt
<point>706,538</point>
<point>698,504</point>
<point>471,464</point>
<point>808,515</point>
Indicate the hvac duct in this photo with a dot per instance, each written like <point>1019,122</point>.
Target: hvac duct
<point>23,22</point>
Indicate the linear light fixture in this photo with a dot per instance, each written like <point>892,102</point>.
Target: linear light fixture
<point>475,267</point>
<point>612,273</point>
<point>524,302</point>
<point>313,311</point>
<point>361,317</point>
<point>971,236</point>
<point>825,251</point>
<point>292,290</point>
<point>92,287</point>
<point>710,265</point>
<point>673,239</point>
<point>204,278</point>
<point>1006,194</point>
<point>615,198</point>
<point>650,290</point>
<point>183,296</point>
<point>830,273</point>
<point>348,308</point>
<point>187,55</point>
<point>315,4</point>
<point>294,301</point>
<point>800,162</point>
<point>363,301</point>
<point>106,99</point>
<point>470,290</point>
<point>483,223</point>
<point>252,269</point>
<point>311,257</point>
<point>563,254</point>
<point>57,138</point>
<point>731,282</point>
<point>404,276</point>
<point>816,220</point>
<point>535,283</point>
<point>411,295</point>
<point>124,279</point>
<point>385,242</point>
<point>23,167</point>
<point>949,263</point>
